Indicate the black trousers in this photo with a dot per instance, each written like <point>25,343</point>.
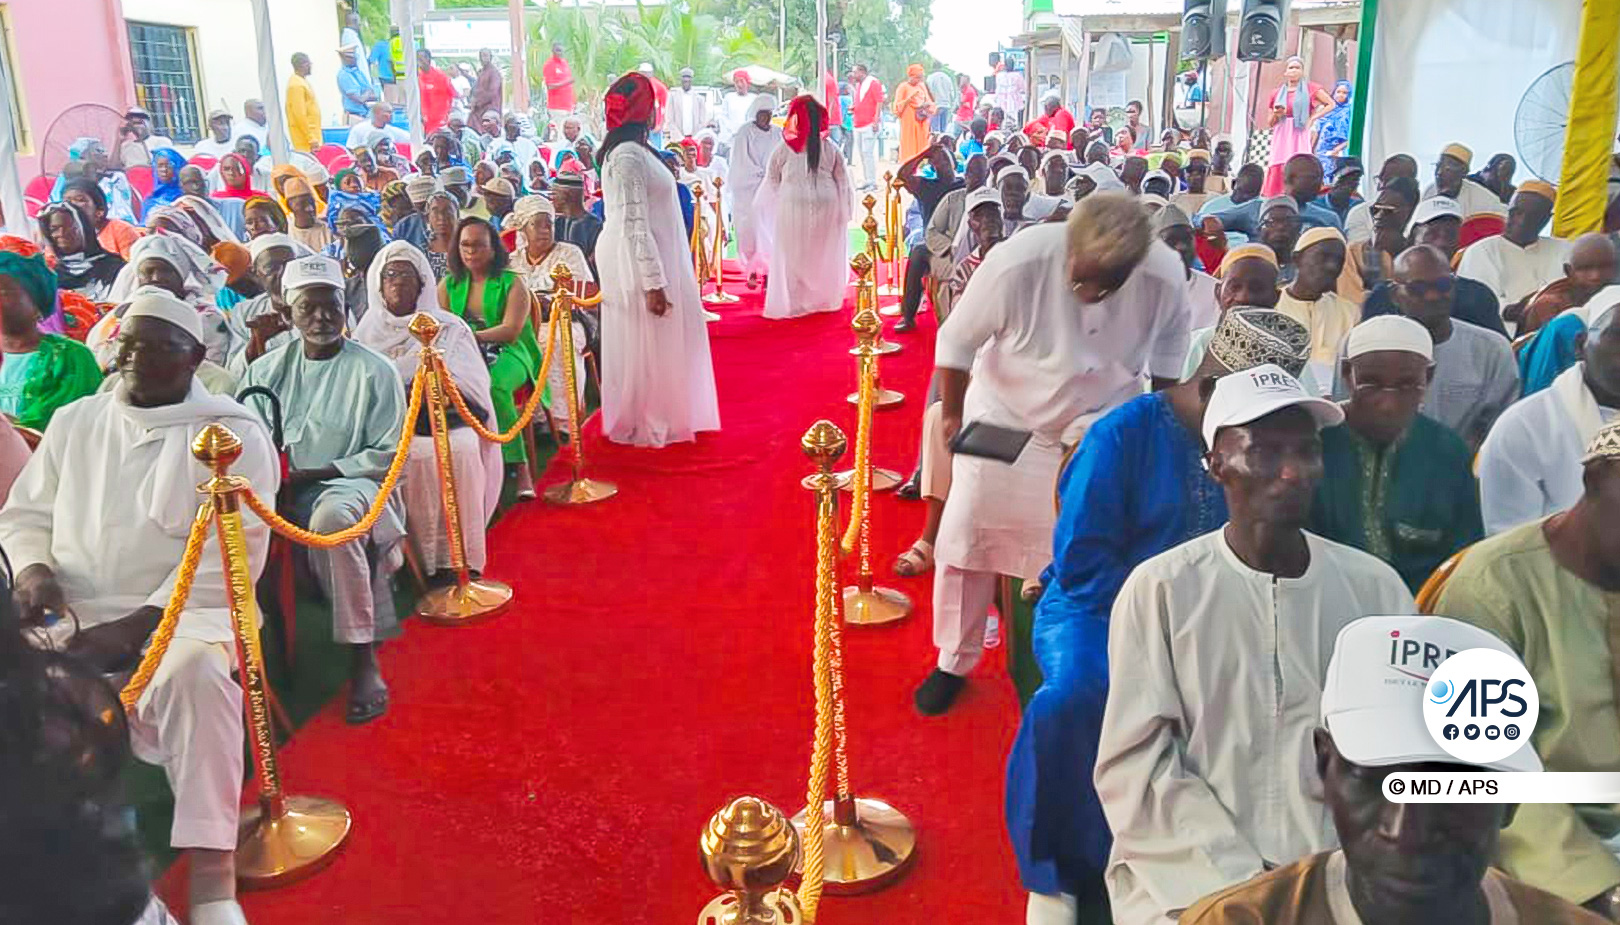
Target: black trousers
<point>916,281</point>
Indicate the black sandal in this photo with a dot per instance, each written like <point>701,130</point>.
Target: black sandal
<point>365,711</point>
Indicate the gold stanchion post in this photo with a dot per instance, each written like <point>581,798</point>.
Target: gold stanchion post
<point>700,247</point>
<point>867,328</point>
<point>874,256</point>
<point>897,241</point>
<point>285,838</point>
<point>749,850</point>
<point>469,599</point>
<point>852,844</point>
<point>716,265</point>
<point>579,489</point>
<point>891,242</point>
<point>865,302</point>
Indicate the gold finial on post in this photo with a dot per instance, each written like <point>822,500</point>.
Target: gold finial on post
<point>284,838</point>
<point>749,850</point>
<point>894,234</point>
<point>424,327</point>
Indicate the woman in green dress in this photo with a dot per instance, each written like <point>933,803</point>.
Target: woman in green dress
<point>483,290</point>
<point>39,372</point>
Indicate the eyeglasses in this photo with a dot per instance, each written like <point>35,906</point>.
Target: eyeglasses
<point>1383,210</point>
<point>394,271</point>
<point>1439,288</point>
<point>1406,388</point>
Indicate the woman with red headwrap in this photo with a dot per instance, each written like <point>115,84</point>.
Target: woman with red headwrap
<point>913,107</point>
<point>657,377</point>
<point>804,207</point>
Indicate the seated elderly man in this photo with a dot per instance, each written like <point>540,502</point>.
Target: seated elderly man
<point>1550,588</point>
<point>1451,181</point>
<point>96,527</point>
<point>1216,655</point>
<point>1136,487</point>
<point>1071,284</point>
<point>1400,862</point>
<point>1397,483</point>
<point>1591,266</point>
<point>342,408</point>
<point>1530,463</point>
<point>1302,179</point>
<point>1247,276</point>
<point>1435,224</point>
<point>1475,376</point>
<point>1518,262</point>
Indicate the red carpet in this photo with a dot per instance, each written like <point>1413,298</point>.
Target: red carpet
<point>557,763</point>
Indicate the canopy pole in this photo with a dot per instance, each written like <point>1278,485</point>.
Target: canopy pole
<point>1583,193</point>
<point>1365,36</point>
<point>269,89</point>
<point>520,57</point>
<point>405,16</point>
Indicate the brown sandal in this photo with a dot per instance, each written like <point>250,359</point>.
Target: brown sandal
<point>916,560</point>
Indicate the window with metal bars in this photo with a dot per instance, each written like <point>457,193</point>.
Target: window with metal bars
<point>166,79</point>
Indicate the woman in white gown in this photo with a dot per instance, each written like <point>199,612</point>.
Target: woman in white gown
<point>805,200</point>
<point>751,154</point>
<point>399,286</point>
<point>657,378</point>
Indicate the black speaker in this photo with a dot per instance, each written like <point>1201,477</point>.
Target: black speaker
<point>1203,29</point>
<point>1260,30</point>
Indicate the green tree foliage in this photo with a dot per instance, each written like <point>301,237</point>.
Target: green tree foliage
<point>885,35</point>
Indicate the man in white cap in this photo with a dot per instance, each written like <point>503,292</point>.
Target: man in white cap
<point>355,86</point>
<point>1530,463</point>
<point>342,407</point>
<point>218,142</point>
<point>1551,588</point>
<point>1475,376</point>
<point>96,526</point>
<point>1435,223</point>
<point>1397,483</point>
<point>1401,862</point>
<point>1519,261</point>
<point>1451,180</point>
<point>1313,300</point>
<point>1216,654</point>
<point>1041,342</point>
<point>688,111</point>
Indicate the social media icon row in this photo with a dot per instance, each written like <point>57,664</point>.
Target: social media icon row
<point>1491,732</point>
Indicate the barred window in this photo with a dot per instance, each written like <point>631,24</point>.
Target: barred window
<point>165,64</point>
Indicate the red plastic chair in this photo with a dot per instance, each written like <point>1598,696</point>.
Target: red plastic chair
<point>203,162</point>
<point>1479,226</point>
<point>141,179</point>
<point>37,193</point>
<point>326,154</point>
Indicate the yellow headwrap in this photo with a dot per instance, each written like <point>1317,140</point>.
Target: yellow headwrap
<point>1317,236</point>
<point>1246,252</point>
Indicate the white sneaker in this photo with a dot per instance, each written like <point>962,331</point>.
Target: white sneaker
<point>221,912</point>
<point>992,632</point>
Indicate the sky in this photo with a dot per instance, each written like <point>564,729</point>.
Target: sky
<point>966,31</point>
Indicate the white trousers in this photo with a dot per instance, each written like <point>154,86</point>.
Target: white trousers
<point>962,601</point>
<point>1045,909</point>
<point>866,152</point>
<point>189,720</point>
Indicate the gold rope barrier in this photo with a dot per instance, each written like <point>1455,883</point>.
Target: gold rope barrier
<point>699,247</point>
<point>868,328</point>
<point>164,634</point>
<point>529,407</point>
<point>895,233</point>
<point>852,844</point>
<point>579,489</point>
<point>284,838</point>
<point>469,598</point>
<point>716,265</point>
<point>390,479</point>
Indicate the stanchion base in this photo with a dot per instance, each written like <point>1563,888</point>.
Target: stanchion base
<point>890,289</point>
<point>866,856</point>
<point>778,907</point>
<point>458,605</point>
<point>720,298</point>
<point>580,491</point>
<point>882,479</point>
<point>276,852</point>
<point>884,348</point>
<point>879,605</point>
<point>889,311</point>
<point>885,398</point>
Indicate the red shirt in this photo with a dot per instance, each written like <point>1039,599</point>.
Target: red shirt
<point>437,93</point>
<point>1061,121</point>
<point>835,111</point>
<point>661,96</point>
<point>556,71</point>
<point>970,102</point>
<point>868,102</point>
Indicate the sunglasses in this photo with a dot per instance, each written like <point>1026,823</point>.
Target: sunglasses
<point>1421,290</point>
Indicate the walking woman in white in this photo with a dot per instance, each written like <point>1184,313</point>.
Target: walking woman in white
<point>751,154</point>
<point>657,378</point>
<point>806,202</point>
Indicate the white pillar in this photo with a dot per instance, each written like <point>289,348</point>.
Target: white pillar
<point>820,90</point>
<point>269,87</point>
<point>405,18</point>
<point>12,205</point>
<point>520,57</point>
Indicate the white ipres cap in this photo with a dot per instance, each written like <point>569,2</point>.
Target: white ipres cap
<point>310,271</point>
<point>265,242</point>
<point>1435,207</point>
<point>984,195</point>
<point>1372,697</point>
<point>1601,311</point>
<point>1390,332</point>
<point>152,302</point>
<point>1247,396</point>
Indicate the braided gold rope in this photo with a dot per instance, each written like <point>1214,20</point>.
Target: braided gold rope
<point>826,616</point>
<point>164,634</point>
<point>396,468</point>
<point>529,407</point>
<point>863,456</point>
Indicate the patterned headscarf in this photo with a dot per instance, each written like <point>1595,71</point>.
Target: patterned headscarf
<point>631,99</point>
<point>1248,337</point>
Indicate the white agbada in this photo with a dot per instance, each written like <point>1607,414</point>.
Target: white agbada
<point>475,463</point>
<point>1475,198</point>
<point>1043,361</point>
<point>1513,272</point>
<point>1205,767</point>
<point>1203,301</point>
<point>657,377</point>
<point>750,160</point>
<point>1530,463</point>
<point>808,245</point>
<point>736,109</point>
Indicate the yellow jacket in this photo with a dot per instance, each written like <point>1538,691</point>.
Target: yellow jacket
<point>303,115</point>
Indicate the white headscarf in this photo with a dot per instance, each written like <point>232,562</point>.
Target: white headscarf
<point>204,211</point>
<point>762,101</point>
<point>203,275</point>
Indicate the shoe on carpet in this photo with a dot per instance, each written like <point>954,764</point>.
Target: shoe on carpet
<point>937,692</point>
<point>220,912</point>
<point>904,325</point>
<point>992,632</point>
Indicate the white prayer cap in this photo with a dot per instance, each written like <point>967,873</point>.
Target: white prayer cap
<point>1432,208</point>
<point>264,242</point>
<point>152,302</point>
<point>1103,176</point>
<point>1247,396</point>
<point>310,271</point>
<point>1157,175</point>
<point>1012,171</point>
<point>982,196</point>
<point>1377,678</point>
<point>1390,332</point>
<point>1152,202</point>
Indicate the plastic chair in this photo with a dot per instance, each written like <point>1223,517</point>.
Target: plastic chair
<point>326,154</point>
<point>140,178</point>
<point>203,162</point>
<point>37,193</point>
<point>1429,594</point>
<point>1478,226</point>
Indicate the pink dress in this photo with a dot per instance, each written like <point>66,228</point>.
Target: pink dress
<point>1286,140</point>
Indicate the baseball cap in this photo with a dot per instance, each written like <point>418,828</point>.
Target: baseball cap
<point>500,186</point>
<point>981,196</point>
<point>1435,207</point>
<point>1372,695</point>
<point>310,271</point>
<point>1244,397</point>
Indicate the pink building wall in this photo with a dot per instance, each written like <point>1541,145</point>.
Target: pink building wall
<point>67,52</point>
